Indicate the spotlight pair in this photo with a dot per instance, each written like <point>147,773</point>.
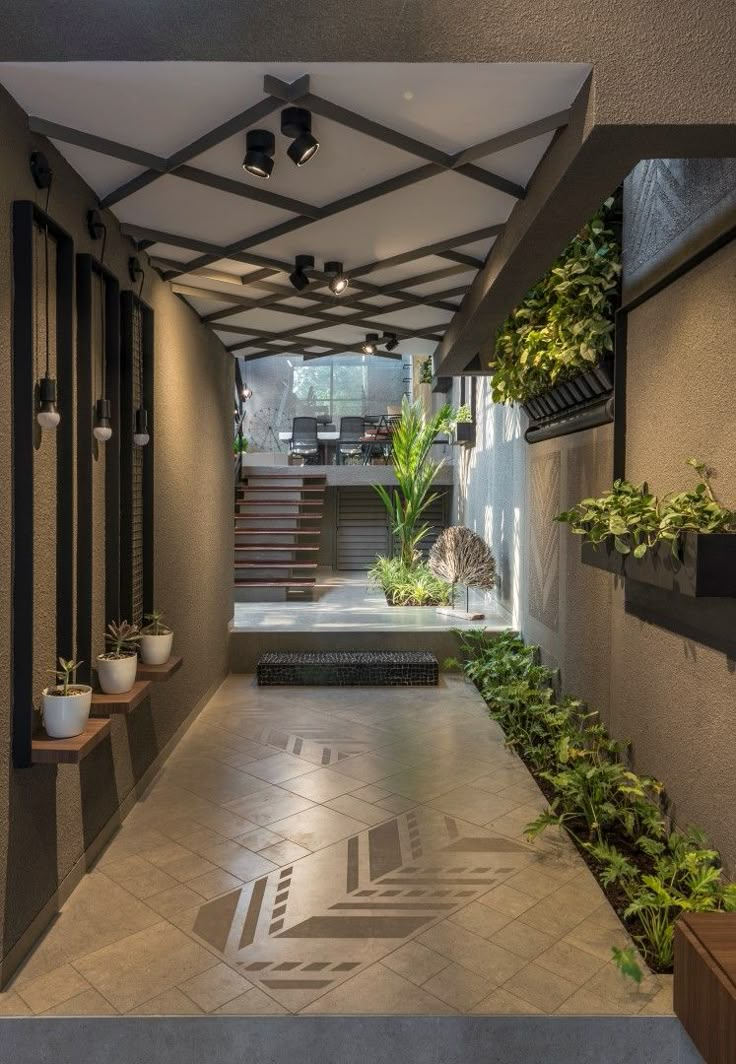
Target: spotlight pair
<point>260,144</point>
<point>339,280</point>
<point>372,342</point>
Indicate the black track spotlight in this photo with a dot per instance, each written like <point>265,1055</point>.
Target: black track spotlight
<point>369,345</point>
<point>299,278</point>
<point>390,341</point>
<point>260,145</point>
<point>296,123</point>
<point>339,281</point>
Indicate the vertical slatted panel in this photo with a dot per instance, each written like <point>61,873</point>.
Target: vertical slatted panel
<point>362,528</point>
<point>436,516</point>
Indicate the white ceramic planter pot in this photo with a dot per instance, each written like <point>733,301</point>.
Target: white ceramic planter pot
<point>66,715</point>
<point>117,675</point>
<point>156,649</point>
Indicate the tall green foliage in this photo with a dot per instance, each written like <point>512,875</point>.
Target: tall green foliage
<point>613,814</point>
<point>565,323</point>
<point>415,473</point>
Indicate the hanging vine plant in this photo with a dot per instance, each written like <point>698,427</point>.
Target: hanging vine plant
<point>565,324</point>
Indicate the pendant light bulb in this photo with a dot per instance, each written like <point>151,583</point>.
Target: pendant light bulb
<point>102,429</point>
<point>48,415</point>
<point>141,436</point>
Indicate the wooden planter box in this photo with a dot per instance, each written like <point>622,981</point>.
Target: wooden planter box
<point>465,433</point>
<point>705,982</point>
<point>704,566</point>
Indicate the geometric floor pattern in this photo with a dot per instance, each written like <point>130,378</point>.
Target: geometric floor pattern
<point>335,851</point>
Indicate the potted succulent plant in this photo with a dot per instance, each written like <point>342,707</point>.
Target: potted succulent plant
<point>156,639</point>
<point>66,705</point>
<point>116,668</point>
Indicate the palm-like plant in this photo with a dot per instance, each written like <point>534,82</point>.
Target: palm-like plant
<point>415,473</point>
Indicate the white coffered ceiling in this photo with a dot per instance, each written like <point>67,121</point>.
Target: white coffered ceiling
<point>162,145</point>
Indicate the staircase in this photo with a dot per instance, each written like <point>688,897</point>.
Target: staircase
<point>278,520</point>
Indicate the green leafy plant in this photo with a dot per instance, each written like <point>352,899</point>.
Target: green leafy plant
<point>155,624</point>
<point>463,415</point>
<point>686,877</point>
<point>565,323</point>
<point>240,445</point>
<point>652,874</point>
<point>635,520</point>
<point>425,371</point>
<point>415,473</point>
<point>122,639</point>
<point>409,585</point>
<point>64,675</point>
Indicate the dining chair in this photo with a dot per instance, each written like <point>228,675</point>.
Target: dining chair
<point>304,442</point>
<point>350,442</point>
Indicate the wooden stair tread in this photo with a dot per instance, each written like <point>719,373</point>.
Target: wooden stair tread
<point>281,547</point>
<point>286,487</point>
<point>274,583</point>
<point>275,565</point>
<point>280,502</point>
<point>277,532</point>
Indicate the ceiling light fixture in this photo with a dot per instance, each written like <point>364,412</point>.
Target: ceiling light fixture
<point>390,341</point>
<point>339,282</point>
<point>299,278</point>
<point>296,123</point>
<point>260,145</point>
<point>369,345</point>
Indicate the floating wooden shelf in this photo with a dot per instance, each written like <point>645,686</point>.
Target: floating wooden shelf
<point>159,673</point>
<point>703,566</point>
<point>103,705</point>
<point>48,751</point>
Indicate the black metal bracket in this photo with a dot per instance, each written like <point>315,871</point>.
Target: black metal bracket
<point>27,216</point>
<point>130,307</point>
<point>89,269</point>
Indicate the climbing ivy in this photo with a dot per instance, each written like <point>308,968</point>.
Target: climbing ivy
<point>565,324</point>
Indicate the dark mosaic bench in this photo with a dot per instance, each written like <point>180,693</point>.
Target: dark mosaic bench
<point>370,668</point>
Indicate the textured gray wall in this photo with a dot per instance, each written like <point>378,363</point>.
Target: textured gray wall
<point>673,697</point>
<point>49,816</point>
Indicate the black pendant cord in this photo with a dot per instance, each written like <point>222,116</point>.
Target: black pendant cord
<point>46,273</point>
<point>141,403</point>
<point>102,313</point>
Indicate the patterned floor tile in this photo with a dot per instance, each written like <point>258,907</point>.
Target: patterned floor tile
<point>335,852</point>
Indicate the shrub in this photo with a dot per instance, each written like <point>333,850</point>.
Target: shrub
<point>409,585</point>
<point>565,323</point>
<point>612,814</point>
<point>635,520</point>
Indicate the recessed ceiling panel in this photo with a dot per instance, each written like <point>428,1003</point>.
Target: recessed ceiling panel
<point>271,321</point>
<point>171,205</point>
<point>434,209</point>
<point>416,318</point>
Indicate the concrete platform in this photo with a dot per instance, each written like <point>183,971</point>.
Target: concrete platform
<point>344,607</point>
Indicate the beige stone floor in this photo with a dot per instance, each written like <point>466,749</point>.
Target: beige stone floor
<point>340,851</point>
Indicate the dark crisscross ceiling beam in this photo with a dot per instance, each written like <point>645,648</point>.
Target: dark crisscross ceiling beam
<point>277,93</point>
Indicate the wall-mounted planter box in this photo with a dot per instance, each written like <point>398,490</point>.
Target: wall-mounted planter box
<point>583,402</point>
<point>465,433</point>
<point>704,566</point>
